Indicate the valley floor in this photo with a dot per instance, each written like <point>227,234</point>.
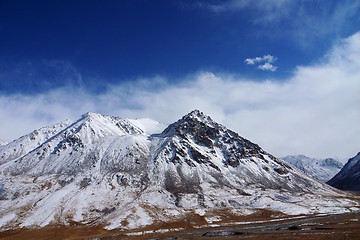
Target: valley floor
<point>336,226</point>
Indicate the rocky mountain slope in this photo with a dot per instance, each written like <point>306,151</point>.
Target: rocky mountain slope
<point>29,142</point>
<point>120,173</point>
<point>322,169</point>
<point>349,176</point>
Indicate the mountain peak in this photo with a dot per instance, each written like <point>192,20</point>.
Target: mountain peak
<point>322,169</point>
<point>91,115</point>
<point>113,125</point>
<point>110,171</point>
<point>194,122</point>
<point>196,128</point>
<point>197,115</point>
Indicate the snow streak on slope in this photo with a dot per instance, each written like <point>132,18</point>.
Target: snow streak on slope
<point>349,176</point>
<point>322,169</point>
<point>116,172</point>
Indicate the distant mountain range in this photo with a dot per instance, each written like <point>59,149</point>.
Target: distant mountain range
<point>125,174</point>
<point>322,169</point>
<point>349,176</point>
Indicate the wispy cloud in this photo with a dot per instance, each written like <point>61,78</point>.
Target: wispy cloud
<point>267,61</point>
<point>38,75</point>
<point>304,21</point>
<point>318,20</point>
<point>315,112</point>
<point>271,9</point>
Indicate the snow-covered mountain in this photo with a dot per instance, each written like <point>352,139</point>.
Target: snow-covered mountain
<point>322,169</point>
<point>26,143</point>
<point>120,173</point>
<point>2,142</point>
<point>349,176</point>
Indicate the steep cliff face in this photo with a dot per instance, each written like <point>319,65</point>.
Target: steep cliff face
<point>119,173</point>
<point>349,176</point>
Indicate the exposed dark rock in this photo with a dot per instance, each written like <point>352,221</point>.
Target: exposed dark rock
<point>349,176</point>
<point>85,182</point>
<point>281,171</point>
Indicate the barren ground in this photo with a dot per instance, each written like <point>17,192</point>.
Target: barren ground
<point>259,226</point>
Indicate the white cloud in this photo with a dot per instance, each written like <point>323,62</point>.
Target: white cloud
<point>267,66</point>
<point>315,112</point>
<point>269,58</point>
<point>250,61</point>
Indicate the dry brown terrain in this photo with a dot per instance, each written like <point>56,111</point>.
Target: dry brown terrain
<point>263,226</point>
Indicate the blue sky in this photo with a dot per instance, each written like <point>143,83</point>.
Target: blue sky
<point>44,42</point>
<point>59,59</point>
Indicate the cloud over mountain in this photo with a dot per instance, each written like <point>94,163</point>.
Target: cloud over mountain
<point>315,111</point>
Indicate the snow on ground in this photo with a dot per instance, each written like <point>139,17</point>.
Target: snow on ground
<point>7,218</point>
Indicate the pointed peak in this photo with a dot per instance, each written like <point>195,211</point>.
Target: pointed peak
<point>196,112</point>
<point>197,115</point>
<point>191,123</point>
<point>110,124</point>
<point>90,115</point>
<point>93,117</point>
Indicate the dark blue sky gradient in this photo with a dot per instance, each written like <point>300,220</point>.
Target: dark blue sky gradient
<point>49,44</point>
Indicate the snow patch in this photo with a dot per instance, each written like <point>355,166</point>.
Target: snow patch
<point>213,219</point>
<point>6,218</point>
